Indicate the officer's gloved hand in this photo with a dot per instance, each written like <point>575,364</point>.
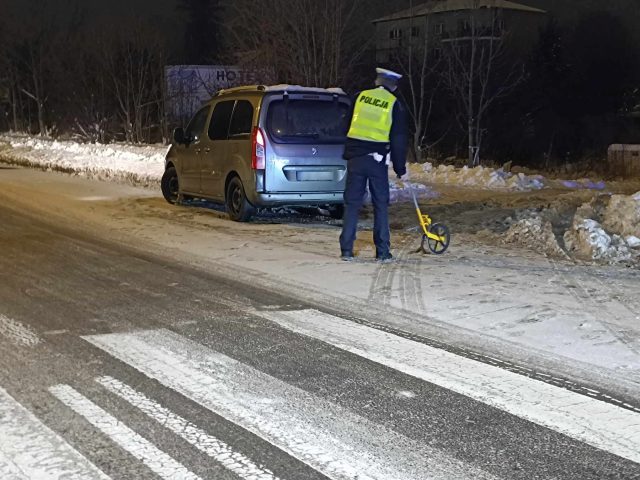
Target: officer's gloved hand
<point>405,177</point>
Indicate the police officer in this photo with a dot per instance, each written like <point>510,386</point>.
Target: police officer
<point>378,132</point>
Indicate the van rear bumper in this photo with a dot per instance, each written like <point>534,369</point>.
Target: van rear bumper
<point>297,198</point>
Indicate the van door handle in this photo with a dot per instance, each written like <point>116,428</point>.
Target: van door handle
<point>197,150</point>
<point>207,150</point>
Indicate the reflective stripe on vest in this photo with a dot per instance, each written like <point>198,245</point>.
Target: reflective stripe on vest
<point>372,116</point>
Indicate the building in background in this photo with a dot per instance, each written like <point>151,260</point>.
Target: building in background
<point>624,160</point>
<point>439,21</point>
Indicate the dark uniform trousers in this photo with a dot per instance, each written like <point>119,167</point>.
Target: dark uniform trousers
<point>361,170</point>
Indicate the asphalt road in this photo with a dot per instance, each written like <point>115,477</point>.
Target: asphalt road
<point>131,366</point>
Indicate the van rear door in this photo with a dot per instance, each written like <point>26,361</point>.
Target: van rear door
<point>306,135</point>
<point>215,153</point>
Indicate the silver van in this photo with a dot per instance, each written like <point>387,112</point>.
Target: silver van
<point>262,146</point>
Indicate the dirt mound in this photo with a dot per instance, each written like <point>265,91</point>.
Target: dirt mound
<point>536,233</point>
<point>587,240</point>
<point>622,215</point>
<point>603,230</point>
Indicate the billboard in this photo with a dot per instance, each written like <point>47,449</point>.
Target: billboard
<point>190,86</point>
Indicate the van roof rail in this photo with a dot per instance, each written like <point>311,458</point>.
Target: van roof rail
<point>244,88</point>
<point>281,88</point>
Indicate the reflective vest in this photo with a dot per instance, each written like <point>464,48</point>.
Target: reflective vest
<point>372,116</point>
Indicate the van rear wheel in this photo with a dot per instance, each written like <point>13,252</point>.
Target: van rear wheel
<point>238,207</point>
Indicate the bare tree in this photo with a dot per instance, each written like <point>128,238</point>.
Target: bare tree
<point>5,76</point>
<point>32,54</point>
<point>475,71</point>
<point>13,97</point>
<point>203,39</point>
<point>134,58</point>
<point>93,108</point>
<point>312,42</point>
<point>35,44</point>
<point>420,64</point>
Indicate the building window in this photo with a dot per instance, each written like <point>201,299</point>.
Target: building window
<point>439,28</point>
<point>395,34</point>
<point>437,53</point>
<point>464,28</point>
<point>415,31</point>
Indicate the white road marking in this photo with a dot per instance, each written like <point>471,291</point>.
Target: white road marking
<point>599,424</point>
<point>216,449</point>
<point>94,199</point>
<point>18,333</point>
<point>159,462</point>
<point>29,449</point>
<point>10,471</point>
<point>329,438</point>
<point>56,332</point>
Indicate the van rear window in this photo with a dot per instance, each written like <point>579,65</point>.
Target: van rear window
<point>308,121</point>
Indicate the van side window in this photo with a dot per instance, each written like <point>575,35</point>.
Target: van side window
<point>219,126</point>
<point>196,125</point>
<point>242,119</point>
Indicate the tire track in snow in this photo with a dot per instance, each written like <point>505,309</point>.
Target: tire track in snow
<point>582,296</point>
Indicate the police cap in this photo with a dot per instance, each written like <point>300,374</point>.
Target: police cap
<point>388,74</point>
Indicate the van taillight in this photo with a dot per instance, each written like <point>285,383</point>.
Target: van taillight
<point>258,150</point>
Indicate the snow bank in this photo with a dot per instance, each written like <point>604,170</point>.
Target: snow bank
<point>633,241</point>
<point>584,183</point>
<point>401,192</point>
<point>132,163</point>
<point>482,177</point>
<point>135,164</point>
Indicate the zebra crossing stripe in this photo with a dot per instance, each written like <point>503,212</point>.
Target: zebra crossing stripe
<point>599,424</point>
<point>10,471</point>
<point>18,333</point>
<point>158,461</point>
<point>329,438</point>
<point>30,450</point>
<point>216,449</point>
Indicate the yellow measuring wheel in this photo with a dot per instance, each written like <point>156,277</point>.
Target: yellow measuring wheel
<point>436,235</point>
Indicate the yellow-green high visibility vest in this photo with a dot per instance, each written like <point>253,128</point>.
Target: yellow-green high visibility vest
<point>372,116</point>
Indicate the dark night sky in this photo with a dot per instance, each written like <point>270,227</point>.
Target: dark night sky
<point>127,7</point>
<point>565,10</point>
<point>166,8</point>
<point>95,9</point>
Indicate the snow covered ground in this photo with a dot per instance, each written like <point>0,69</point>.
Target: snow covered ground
<point>609,234</point>
<point>482,177</point>
<point>135,164</point>
<point>144,164</point>
<point>486,286</point>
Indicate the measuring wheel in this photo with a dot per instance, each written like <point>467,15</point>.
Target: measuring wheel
<point>437,246</point>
